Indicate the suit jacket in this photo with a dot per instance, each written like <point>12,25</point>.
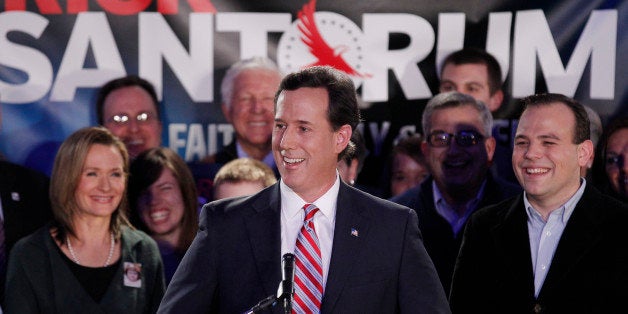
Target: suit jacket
<point>25,205</point>
<point>40,281</point>
<point>225,155</point>
<point>25,202</point>
<point>439,239</point>
<point>235,260</point>
<point>588,273</point>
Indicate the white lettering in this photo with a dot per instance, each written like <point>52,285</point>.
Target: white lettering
<point>91,28</point>
<point>254,32</point>
<point>175,142</point>
<point>196,143</point>
<point>157,41</point>
<point>189,141</point>
<point>450,36</point>
<point>498,39</point>
<point>403,62</point>
<point>36,65</point>
<point>533,39</point>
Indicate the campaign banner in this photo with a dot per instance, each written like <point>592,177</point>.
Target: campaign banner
<point>54,55</point>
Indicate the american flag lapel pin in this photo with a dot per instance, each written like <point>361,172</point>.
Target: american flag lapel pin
<point>354,232</point>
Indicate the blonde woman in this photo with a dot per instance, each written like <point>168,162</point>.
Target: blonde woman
<point>76,263</point>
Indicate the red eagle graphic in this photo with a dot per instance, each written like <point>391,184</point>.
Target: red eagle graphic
<point>318,47</point>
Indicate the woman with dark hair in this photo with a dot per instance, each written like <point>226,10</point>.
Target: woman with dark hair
<point>407,165</point>
<point>75,264</point>
<point>610,171</point>
<point>164,203</point>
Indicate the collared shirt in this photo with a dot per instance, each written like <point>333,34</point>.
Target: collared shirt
<point>268,159</point>
<point>450,214</point>
<point>545,235</point>
<point>292,215</point>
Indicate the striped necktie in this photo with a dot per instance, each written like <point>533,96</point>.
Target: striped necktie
<point>309,267</point>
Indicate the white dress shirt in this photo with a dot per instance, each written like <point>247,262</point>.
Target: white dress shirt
<point>292,215</point>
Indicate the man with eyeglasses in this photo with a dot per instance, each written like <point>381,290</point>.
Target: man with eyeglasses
<point>458,149</point>
<point>129,108</point>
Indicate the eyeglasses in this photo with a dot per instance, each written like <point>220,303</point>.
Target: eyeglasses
<point>123,118</point>
<point>462,138</point>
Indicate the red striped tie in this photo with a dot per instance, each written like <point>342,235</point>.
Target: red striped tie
<point>308,277</point>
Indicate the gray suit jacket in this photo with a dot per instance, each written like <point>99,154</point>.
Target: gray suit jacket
<point>235,260</point>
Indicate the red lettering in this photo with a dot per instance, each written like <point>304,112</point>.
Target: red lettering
<point>119,7</point>
<point>77,6</point>
<point>172,6</point>
<point>45,6</point>
<point>124,7</point>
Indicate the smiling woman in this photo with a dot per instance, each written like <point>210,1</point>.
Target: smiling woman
<point>164,203</point>
<point>85,246</point>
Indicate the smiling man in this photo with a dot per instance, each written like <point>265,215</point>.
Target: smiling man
<point>458,149</point>
<point>560,246</point>
<point>247,91</point>
<point>129,108</point>
<point>354,253</point>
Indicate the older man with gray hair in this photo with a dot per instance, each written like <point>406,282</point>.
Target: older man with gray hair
<point>248,91</point>
<point>458,149</point>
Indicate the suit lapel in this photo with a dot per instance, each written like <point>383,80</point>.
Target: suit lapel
<point>513,244</point>
<point>580,235</point>
<point>264,229</point>
<point>346,245</point>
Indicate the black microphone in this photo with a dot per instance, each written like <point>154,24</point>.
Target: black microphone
<point>286,288</point>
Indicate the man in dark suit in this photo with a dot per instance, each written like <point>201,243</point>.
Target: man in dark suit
<point>25,206</point>
<point>458,150</point>
<point>365,254</point>
<point>560,247</point>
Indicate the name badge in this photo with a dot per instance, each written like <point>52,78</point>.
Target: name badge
<point>133,274</point>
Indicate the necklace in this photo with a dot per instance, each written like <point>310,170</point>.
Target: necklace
<point>76,260</point>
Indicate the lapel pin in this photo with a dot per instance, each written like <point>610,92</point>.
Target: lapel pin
<point>354,232</point>
<point>15,196</point>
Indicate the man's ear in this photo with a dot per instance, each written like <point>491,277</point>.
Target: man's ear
<point>496,101</point>
<point>490,144</point>
<point>343,136</point>
<point>585,152</point>
<point>226,111</point>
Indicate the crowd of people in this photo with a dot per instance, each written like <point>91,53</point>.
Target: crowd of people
<point>470,225</point>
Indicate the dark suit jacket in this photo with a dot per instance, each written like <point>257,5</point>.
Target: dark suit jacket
<point>25,205</point>
<point>439,239</point>
<point>225,155</point>
<point>235,260</point>
<point>25,201</point>
<point>588,274</point>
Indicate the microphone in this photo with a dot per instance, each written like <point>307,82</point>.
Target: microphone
<point>286,288</point>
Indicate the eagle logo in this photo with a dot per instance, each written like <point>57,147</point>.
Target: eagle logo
<point>318,47</point>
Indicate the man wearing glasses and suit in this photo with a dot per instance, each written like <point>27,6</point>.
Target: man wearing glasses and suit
<point>459,150</point>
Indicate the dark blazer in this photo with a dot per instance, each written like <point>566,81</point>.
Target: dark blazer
<point>225,155</point>
<point>40,281</point>
<point>588,274</point>
<point>439,239</point>
<point>25,205</point>
<point>25,201</point>
<point>235,260</point>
